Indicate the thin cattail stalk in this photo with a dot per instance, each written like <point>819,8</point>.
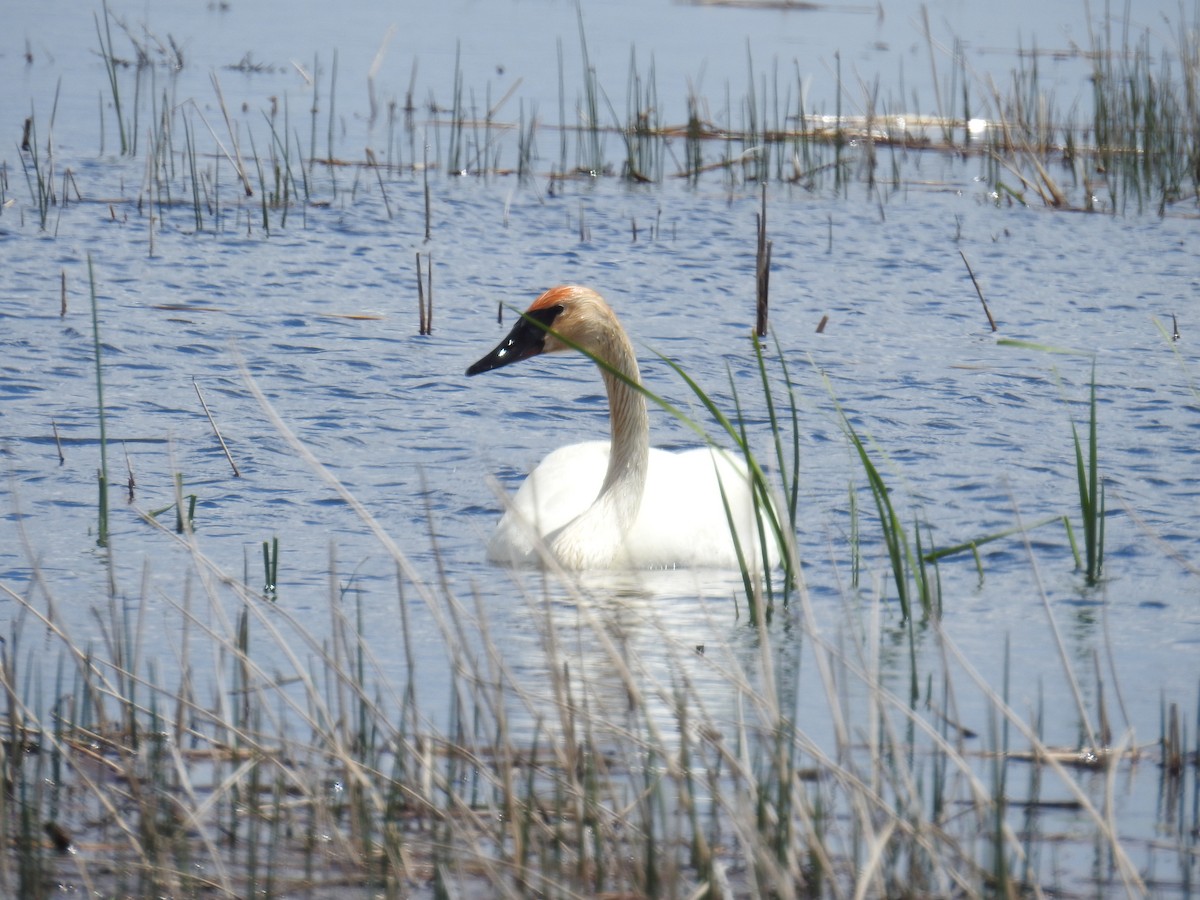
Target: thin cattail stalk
<point>102,474</point>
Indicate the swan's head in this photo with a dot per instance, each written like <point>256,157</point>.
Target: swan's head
<point>578,314</point>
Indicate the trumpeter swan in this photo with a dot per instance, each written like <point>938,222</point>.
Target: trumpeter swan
<point>617,504</point>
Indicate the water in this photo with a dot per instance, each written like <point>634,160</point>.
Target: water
<point>973,435</point>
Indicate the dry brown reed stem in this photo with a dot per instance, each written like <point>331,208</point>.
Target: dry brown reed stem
<point>762,269</point>
<point>235,160</point>
<point>216,430</point>
<point>62,312</point>
<point>987,312</point>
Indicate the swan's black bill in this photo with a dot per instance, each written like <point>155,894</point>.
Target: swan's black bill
<point>527,338</point>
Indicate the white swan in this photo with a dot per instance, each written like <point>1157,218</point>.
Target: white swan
<point>617,504</point>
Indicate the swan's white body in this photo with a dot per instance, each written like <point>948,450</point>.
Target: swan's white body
<point>618,504</point>
<point>681,521</point>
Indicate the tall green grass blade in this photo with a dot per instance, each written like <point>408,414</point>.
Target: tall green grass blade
<point>973,545</point>
<point>1091,492</point>
<point>894,537</point>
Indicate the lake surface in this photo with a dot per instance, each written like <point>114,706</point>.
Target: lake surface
<point>319,307</point>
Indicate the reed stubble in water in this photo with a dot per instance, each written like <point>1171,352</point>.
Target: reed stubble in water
<point>1138,149</point>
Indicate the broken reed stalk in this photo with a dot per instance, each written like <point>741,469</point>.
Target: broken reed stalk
<point>216,430</point>
<point>236,159</point>
<point>987,312</point>
<point>62,311</point>
<point>762,269</point>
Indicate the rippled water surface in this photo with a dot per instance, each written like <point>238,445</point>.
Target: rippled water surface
<point>319,313</point>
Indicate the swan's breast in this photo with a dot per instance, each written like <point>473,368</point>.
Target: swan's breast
<point>563,485</point>
<point>681,522</point>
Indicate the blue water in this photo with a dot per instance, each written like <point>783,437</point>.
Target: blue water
<point>319,312</point>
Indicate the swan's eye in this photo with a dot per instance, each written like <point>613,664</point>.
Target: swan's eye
<point>546,315</point>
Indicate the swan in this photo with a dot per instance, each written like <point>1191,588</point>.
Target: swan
<point>617,503</point>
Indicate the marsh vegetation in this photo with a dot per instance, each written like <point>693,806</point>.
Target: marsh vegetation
<point>250,646</point>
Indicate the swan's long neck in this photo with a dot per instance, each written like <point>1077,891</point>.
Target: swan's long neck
<point>596,536</point>
<point>629,425</point>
